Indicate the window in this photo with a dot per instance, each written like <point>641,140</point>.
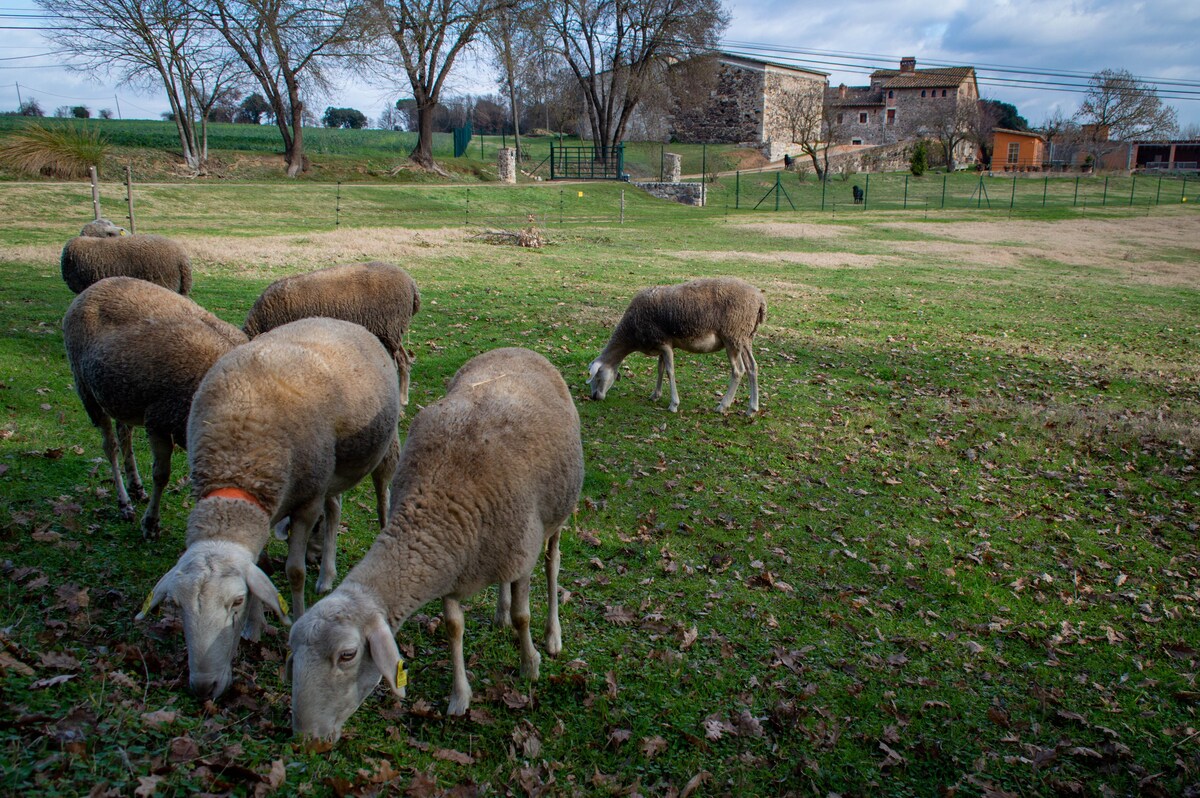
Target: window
<point>891,116</point>
<point>943,92</point>
<point>839,118</point>
<point>922,92</point>
<point>862,118</point>
<point>1014,151</point>
<point>891,93</point>
<point>856,141</point>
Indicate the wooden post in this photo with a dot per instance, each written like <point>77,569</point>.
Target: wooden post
<point>129,198</point>
<point>622,206</point>
<point>95,192</point>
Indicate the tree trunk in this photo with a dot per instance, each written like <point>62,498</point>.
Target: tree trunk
<point>422,154</point>
<point>296,160</point>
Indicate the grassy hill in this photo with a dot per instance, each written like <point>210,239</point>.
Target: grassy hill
<point>253,152</point>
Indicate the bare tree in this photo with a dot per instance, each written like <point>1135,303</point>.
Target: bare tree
<point>513,36</point>
<point>1125,108</point>
<point>950,124</point>
<point>426,37</point>
<point>812,122</point>
<point>613,48</point>
<point>285,44</point>
<point>150,43</point>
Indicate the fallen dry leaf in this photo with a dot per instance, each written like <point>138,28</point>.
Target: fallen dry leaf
<point>159,717</point>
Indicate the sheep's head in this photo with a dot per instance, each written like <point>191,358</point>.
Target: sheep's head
<point>217,587</point>
<point>102,228</point>
<point>601,377</point>
<point>341,648</point>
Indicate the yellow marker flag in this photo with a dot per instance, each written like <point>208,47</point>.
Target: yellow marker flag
<point>282,603</point>
<point>146,603</point>
<point>581,193</point>
<point>401,675</point>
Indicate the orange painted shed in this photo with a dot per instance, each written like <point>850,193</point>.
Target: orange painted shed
<point>1017,151</point>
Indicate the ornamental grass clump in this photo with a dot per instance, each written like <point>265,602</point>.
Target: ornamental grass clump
<point>61,151</point>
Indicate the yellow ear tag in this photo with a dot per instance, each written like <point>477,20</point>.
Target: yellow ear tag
<point>282,603</point>
<point>146,604</point>
<point>401,675</point>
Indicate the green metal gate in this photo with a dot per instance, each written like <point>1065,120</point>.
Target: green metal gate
<point>462,137</point>
<point>587,163</point>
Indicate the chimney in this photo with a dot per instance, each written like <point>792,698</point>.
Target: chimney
<point>842,91</point>
<point>908,64</point>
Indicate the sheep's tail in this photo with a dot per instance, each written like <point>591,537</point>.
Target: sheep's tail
<point>185,280</point>
<point>416,299</point>
<point>762,315</point>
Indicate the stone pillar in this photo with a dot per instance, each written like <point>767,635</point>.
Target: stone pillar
<point>506,165</point>
<point>672,167</point>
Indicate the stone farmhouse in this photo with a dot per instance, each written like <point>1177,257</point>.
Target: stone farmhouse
<point>897,102</point>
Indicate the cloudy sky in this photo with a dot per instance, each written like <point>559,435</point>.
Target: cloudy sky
<point>1032,54</point>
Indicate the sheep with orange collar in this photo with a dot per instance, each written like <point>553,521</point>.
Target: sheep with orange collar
<point>280,427</point>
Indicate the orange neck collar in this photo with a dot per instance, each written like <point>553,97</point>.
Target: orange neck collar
<point>234,493</point>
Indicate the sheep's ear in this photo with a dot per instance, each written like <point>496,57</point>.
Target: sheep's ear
<point>160,592</point>
<point>386,655</point>
<point>262,589</point>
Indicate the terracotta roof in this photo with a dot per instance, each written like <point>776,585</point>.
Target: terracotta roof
<point>1031,134</point>
<point>922,78</point>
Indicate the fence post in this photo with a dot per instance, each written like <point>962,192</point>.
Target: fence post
<point>560,206</point>
<point>824,180</point>
<point>129,198</point>
<point>737,189</point>
<point>979,193</point>
<point>96,192</point>
<point>467,218</point>
<point>662,160</point>
<point>944,192</point>
<point>1132,186</point>
<point>906,192</point>
<point>1045,188</point>
<point>867,191</point>
<point>622,206</point>
<point>1075,201</point>
<point>1183,191</point>
<point>777,191</point>
<point>1158,192</point>
<point>1104,196</point>
<point>1013,199</point>
<point>337,211</point>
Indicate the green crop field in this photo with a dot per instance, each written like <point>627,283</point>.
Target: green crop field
<point>954,554</point>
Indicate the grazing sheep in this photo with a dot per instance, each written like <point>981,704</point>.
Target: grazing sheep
<point>280,428</point>
<point>488,477</point>
<point>138,352</point>
<point>381,297</point>
<point>698,316</point>
<point>102,249</point>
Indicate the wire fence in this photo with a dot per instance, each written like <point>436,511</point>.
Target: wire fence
<point>786,191</point>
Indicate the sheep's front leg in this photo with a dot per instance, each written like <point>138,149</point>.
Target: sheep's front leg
<point>125,437</point>
<point>333,517</point>
<point>662,365</point>
<point>531,660</point>
<point>162,448</point>
<point>553,630</point>
<point>303,521</point>
<point>111,447</point>
<point>460,693</point>
<point>735,377</point>
<point>666,361</point>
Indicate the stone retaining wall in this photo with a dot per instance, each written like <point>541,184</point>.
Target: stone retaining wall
<point>685,193</point>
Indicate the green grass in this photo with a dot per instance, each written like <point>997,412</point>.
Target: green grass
<point>956,552</point>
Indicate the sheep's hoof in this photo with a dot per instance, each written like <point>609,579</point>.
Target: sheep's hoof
<point>531,670</point>
<point>459,704</point>
<point>151,528</point>
<point>654,397</point>
<point>673,408</point>
<point>127,513</point>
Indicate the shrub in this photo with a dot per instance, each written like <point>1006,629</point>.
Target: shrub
<point>919,162</point>
<point>62,151</point>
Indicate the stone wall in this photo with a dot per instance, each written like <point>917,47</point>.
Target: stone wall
<point>685,193</point>
<point>788,101</point>
<point>733,113</point>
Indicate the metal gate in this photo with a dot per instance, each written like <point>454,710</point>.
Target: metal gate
<point>462,137</point>
<point>586,163</point>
